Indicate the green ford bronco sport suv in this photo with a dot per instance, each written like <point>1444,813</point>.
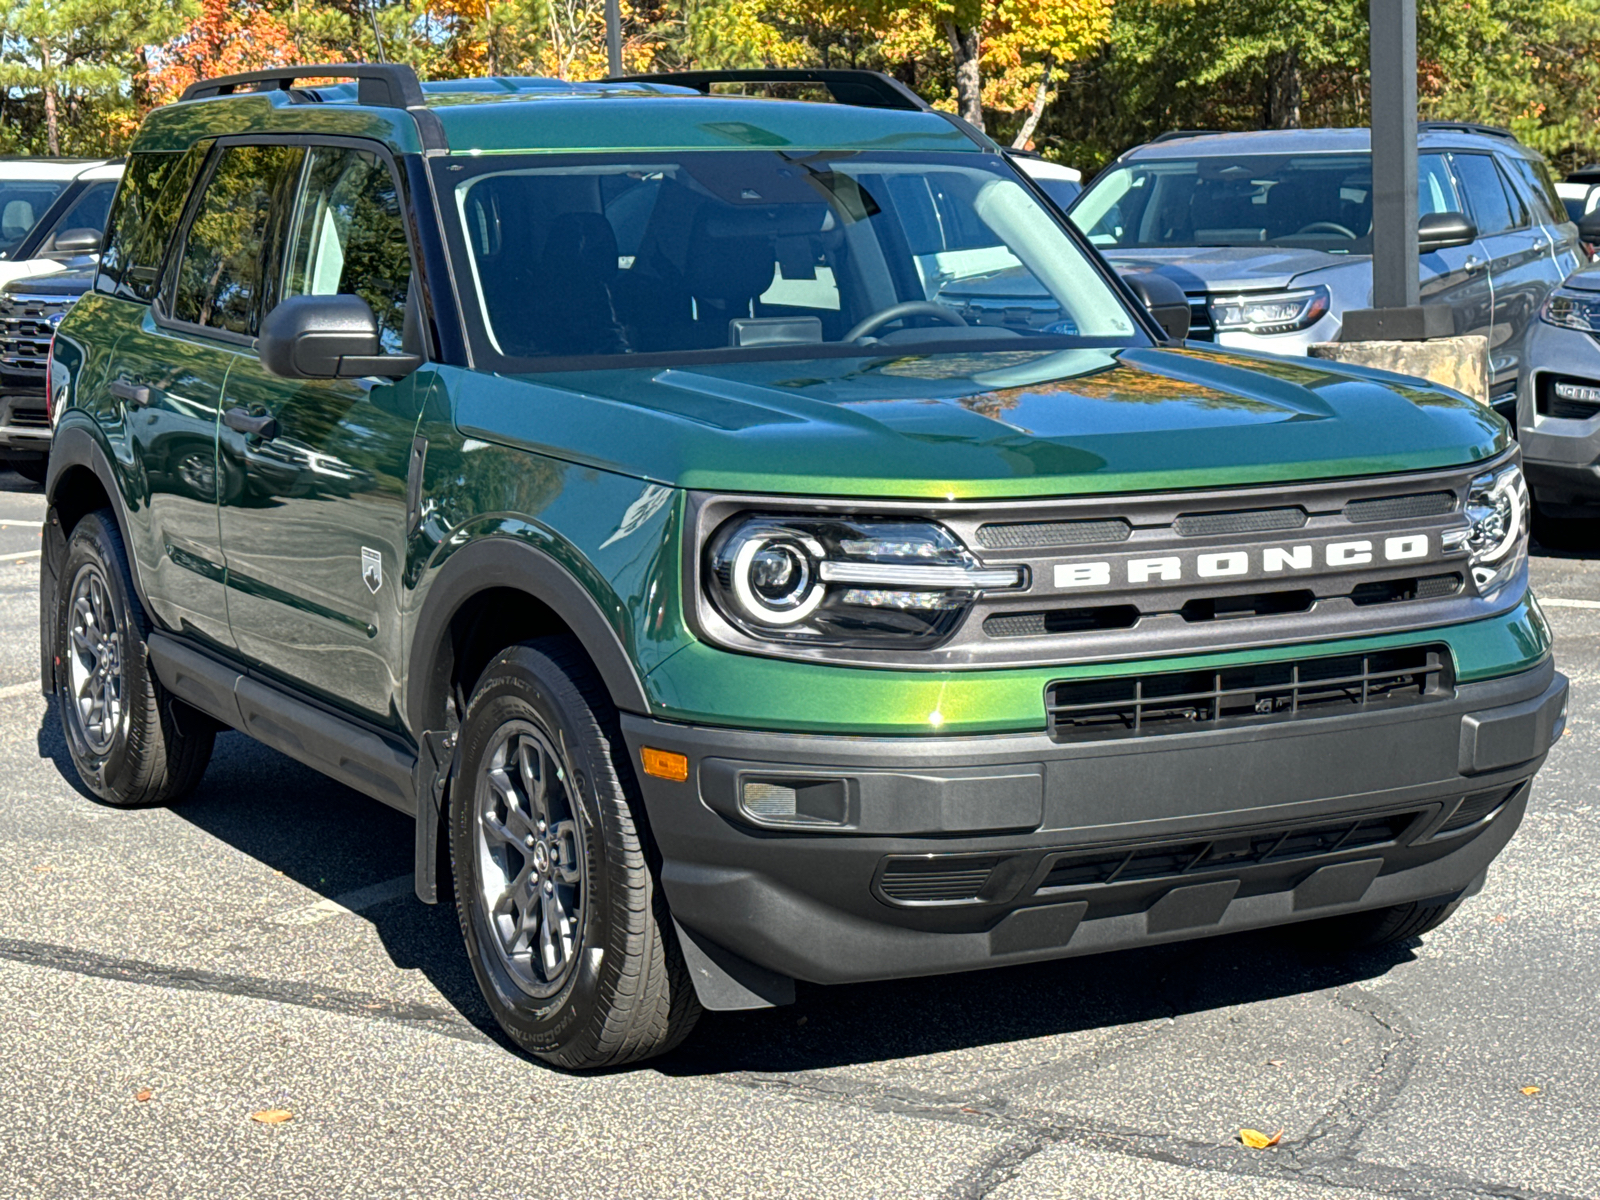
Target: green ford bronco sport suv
<point>760,540</point>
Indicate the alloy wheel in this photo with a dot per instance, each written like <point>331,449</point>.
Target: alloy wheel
<point>94,662</point>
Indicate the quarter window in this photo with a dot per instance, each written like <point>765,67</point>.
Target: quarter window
<point>220,275</point>
<point>347,236</point>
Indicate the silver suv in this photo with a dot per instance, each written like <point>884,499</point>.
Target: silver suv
<point>1270,233</point>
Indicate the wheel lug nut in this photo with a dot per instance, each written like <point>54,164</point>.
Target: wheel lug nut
<point>549,886</point>
<point>532,841</point>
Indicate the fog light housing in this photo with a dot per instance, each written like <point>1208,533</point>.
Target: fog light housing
<point>800,802</point>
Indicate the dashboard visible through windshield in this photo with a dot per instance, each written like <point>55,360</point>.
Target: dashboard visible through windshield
<point>733,252</point>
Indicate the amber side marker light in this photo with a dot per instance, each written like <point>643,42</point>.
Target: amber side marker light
<point>664,764</point>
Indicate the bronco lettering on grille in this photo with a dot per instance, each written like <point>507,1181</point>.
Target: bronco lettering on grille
<point>1237,564</point>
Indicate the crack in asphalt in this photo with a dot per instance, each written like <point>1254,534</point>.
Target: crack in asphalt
<point>443,1021</point>
<point>1035,1132</point>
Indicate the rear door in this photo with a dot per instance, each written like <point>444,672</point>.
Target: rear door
<point>314,538</point>
<point>1518,251</point>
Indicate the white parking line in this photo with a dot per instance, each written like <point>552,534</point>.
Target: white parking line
<point>19,555</point>
<point>1550,602</point>
<point>11,690</point>
<point>351,902</point>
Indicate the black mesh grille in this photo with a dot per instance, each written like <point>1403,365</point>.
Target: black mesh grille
<point>1477,806</point>
<point>1045,535</point>
<point>1398,508</point>
<point>1185,701</point>
<point>936,880</point>
<point>1261,521</point>
<point>1385,591</point>
<point>1062,620</point>
<point>1223,852</point>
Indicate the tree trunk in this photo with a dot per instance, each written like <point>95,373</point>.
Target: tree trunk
<point>1283,90</point>
<point>1035,111</point>
<point>969,82</point>
<point>52,125</point>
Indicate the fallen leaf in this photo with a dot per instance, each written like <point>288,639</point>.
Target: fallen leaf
<point>1257,1140</point>
<point>1530,1090</point>
<point>143,1094</point>
<point>272,1116</point>
<point>1499,919</point>
<point>1274,1062</point>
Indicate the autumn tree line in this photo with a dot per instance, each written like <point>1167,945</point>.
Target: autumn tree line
<point>1079,80</point>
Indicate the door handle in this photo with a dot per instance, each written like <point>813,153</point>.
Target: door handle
<point>1472,266</point>
<point>134,395</point>
<point>242,421</point>
<point>1541,244</point>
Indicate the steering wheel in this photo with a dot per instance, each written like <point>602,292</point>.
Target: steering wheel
<point>910,308</point>
<point>1327,227</point>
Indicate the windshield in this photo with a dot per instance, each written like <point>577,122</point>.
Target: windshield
<point>22,204</point>
<point>1309,201</point>
<point>735,253</point>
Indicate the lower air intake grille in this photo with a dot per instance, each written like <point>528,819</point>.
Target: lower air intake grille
<point>1477,806</point>
<point>936,880</point>
<point>1048,535</point>
<point>1187,701</point>
<point>1223,853</point>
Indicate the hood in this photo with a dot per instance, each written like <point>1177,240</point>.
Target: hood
<point>69,285</point>
<point>983,424</point>
<point>1231,268</point>
<point>1585,279</point>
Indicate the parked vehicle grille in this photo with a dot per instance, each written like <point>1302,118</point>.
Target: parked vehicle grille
<point>1186,701</point>
<point>1400,508</point>
<point>26,329</point>
<point>936,880</point>
<point>1051,535</point>
<point>30,418</point>
<point>1224,852</point>
<point>1263,520</point>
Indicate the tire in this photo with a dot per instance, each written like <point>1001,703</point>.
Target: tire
<point>1565,533</point>
<point>132,742</point>
<point>32,467</point>
<point>1378,927</point>
<point>549,854</point>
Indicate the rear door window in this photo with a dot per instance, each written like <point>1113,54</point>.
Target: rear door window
<point>1486,193</point>
<point>218,282</point>
<point>347,237</point>
<point>148,206</point>
<point>1538,192</point>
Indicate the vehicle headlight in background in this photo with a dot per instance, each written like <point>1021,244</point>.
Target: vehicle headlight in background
<point>846,581</point>
<point>1573,309</point>
<point>1496,539</point>
<point>1270,312</point>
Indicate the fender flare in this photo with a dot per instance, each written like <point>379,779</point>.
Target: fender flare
<point>505,562</point>
<point>492,562</point>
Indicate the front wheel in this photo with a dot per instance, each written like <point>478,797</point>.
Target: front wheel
<point>132,742</point>
<point>564,921</point>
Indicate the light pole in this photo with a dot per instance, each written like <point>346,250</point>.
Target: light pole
<point>614,36</point>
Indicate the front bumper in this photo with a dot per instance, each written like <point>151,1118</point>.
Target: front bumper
<point>966,852</point>
<point>24,425</point>
<point>1560,455</point>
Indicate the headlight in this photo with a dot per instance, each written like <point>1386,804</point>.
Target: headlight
<point>1496,540</point>
<point>846,581</point>
<point>1573,309</point>
<point>1270,312</point>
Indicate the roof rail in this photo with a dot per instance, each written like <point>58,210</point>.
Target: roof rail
<point>862,89</point>
<point>381,85</point>
<point>1173,135</point>
<point>1465,127</point>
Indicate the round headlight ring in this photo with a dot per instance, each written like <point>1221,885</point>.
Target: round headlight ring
<point>1504,500</point>
<point>773,576</point>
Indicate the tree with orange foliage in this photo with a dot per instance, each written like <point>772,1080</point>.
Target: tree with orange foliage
<point>226,37</point>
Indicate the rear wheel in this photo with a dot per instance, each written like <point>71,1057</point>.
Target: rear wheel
<point>564,921</point>
<point>132,742</point>
<point>1379,927</point>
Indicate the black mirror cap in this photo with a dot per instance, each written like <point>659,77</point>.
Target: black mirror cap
<point>306,337</point>
<point>1589,227</point>
<point>77,241</point>
<point>1441,231</point>
<point>1165,300</point>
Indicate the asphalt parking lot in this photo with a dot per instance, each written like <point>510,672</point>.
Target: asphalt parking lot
<point>259,948</point>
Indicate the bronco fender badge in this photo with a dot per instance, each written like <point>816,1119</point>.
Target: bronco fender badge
<point>371,569</point>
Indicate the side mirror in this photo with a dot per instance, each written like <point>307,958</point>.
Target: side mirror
<point>76,241</point>
<point>1165,300</point>
<point>1589,227</point>
<point>1441,231</point>
<point>327,337</point>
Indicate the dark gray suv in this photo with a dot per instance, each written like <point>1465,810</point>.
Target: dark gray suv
<point>1270,233</point>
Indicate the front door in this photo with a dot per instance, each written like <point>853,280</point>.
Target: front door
<point>1456,276</point>
<point>314,540</point>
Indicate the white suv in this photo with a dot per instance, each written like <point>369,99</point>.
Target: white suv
<point>49,208</point>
